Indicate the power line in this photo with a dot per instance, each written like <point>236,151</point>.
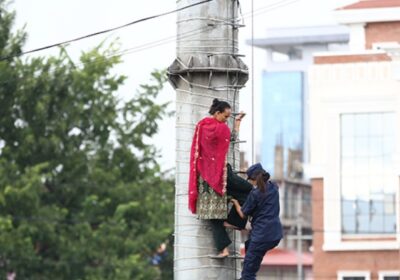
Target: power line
<point>170,39</point>
<point>104,31</point>
<point>37,219</point>
<point>166,40</point>
<point>272,7</point>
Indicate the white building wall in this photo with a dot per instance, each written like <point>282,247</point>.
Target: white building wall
<point>347,88</point>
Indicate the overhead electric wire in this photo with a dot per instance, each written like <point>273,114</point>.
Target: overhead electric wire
<point>271,7</point>
<point>104,31</point>
<point>304,201</point>
<point>170,39</point>
<point>110,221</point>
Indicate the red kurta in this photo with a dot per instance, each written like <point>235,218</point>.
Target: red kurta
<point>208,157</point>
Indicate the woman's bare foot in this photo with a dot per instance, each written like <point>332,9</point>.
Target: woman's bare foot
<point>224,253</point>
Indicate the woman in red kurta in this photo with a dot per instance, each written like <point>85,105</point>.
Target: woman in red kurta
<point>208,171</point>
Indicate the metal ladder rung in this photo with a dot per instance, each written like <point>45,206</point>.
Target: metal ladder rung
<point>238,141</point>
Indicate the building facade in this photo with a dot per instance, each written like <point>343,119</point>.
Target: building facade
<point>285,90</point>
<point>285,138</point>
<point>355,148</point>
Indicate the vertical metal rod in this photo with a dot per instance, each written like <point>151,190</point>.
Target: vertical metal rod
<point>253,156</point>
<point>299,234</point>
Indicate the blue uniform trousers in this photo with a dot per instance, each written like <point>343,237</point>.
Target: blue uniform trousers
<point>255,252</point>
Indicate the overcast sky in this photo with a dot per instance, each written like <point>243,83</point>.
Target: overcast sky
<point>52,21</point>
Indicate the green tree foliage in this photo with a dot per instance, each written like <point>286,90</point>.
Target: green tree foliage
<point>81,193</point>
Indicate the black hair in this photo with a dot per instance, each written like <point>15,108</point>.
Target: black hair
<point>261,177</point>
<point>218,106</point>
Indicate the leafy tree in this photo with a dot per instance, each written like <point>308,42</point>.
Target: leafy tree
<point>81,193</point>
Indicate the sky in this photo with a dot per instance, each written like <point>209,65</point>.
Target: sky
<point>151,45</point>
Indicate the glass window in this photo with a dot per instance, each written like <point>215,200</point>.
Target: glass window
<point>353,278</point>
<point>368,183</point>
<point>391,277</point>
<point>282,117</point>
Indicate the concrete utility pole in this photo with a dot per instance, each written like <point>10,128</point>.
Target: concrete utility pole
<point>207,67</point>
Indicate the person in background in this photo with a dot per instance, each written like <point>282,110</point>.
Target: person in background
<point>262,205</point>
<point>208,171</point>
<point>159,255</point>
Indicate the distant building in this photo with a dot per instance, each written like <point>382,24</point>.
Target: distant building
<point>296,203</point>
<point>285,89</point>
<point>355,148</point>
<point>285,137</point>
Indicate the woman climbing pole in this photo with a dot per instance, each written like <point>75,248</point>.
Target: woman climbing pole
<point>208,171</point>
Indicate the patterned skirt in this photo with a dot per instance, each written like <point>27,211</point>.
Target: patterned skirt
<point>210,205</point>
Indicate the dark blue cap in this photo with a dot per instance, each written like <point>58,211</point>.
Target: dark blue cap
<point>252,169</point>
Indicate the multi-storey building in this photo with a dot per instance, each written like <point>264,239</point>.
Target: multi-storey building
<point>284,112</point>
<point>355,148</point>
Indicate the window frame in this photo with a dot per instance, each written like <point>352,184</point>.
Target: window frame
<point>330,96</point>
<point>334,239</point>
<point>388,273</point>
<point>354,273</point>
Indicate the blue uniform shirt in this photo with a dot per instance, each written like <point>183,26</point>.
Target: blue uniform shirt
<point>264,210</point>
